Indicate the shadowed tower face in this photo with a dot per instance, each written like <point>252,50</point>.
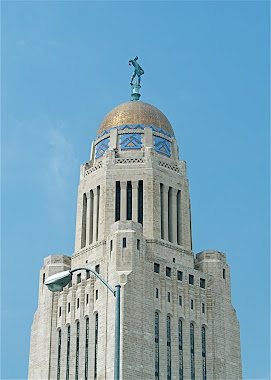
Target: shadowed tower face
<point>133,226</point>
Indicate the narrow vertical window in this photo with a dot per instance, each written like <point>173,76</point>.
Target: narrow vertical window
<point>129,200</point>
<point>169,214</point>
<point>97,268</point>
<point>58,354</point>
<point>98,212</point>
<point>192,358</point>
<point>69,307</point>
<point>156,293</point>
<point>180,300</point>
<point>161,210</point>
<point>138,244</point>
<point>203,307</point>
<point>140,202</point>
<point>87,299</point>
<point>91,197</point>
<point>96,294</point>
<point>59,311</point>
<point>203,341</point>
<point>77,351</point>
<point>179,217</point>
<point>84,220</point>
<point>96,347</point>
<point>43,278</point>
<point>224,273</point>
<point>180,333</point>
<point>156,347</point>
<point>79,278</point>
<point>117,204</point>
<point>86,349</point>
<point>168,349</point>
<point>124,242</point>
<point>78,303</point>
<point>111,245</point>
<point>68,353</point>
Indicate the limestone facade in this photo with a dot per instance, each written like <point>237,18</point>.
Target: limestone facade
<point>134,227</point>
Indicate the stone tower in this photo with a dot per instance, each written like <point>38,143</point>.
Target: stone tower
<point>134,227</point>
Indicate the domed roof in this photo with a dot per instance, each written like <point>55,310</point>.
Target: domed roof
<point>135,112</point>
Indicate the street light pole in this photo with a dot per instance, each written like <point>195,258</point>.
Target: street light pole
<point>57,282</point>
<point>117,334</point>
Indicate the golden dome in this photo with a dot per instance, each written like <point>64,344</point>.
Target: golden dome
<point>135,112</point>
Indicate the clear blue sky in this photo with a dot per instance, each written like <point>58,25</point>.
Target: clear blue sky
<point>64,66</point>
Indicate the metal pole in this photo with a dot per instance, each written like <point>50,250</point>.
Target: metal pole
<point>117,335</point>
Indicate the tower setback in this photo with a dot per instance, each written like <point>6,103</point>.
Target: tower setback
<point>133,227</point>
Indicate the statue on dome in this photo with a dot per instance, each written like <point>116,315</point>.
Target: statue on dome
<point>137,71</point>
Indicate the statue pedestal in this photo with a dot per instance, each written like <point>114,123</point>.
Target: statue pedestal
<point>135,92</point>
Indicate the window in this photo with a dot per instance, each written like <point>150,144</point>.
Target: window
<point>174,259</point>
<point>111,245</point>
<point>124,242</point>
<point>168,272</point>
<point>156,347</point>
<point>192,358</point>
<point>156,293</point>
<point>162,209</point>
<point>202,283</point>
<point>180,331</point>
<point>224,273</point>
<point>84,222</point>
<point>203,307</point>
<point>59,313</point>
<point>117,202</point>
<point>169,208</point>
<point>79,278</point>
<point>129,200</point>
<point>191,279</point>
<point>138,244</point>
<point>43,278</point>
<point>140,202</point>
<point>96,294</point>
<point>96,347</point>
<point>77,350</point>
<point>58,354</point>
<point>168,349</point>
<point>69,307</point>
<point>180,300</point>
<point>86,349</point>
<point>168,296</point>
<point>179,217</point>
<point>203,343</point>
<point>68,353</point>
<point>88,274</point>
<point>87,299</point>
<point>179,275</point>
<point>192,304</point>
<point>156,268</point>
<point>97,268</point>
<point>77,303</point>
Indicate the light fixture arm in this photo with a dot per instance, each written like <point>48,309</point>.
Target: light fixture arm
<point>97,275</point>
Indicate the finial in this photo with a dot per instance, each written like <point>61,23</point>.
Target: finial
<point>137,71</point>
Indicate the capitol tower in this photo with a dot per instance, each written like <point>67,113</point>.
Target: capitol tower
<point>133,227</point>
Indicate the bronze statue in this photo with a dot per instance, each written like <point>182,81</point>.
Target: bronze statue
<point>137,71</point>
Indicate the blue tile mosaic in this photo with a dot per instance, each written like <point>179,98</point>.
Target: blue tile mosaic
<point>131,141</point>
<point>133,127</point>
<point>101,147</point>
<point>162,146</point>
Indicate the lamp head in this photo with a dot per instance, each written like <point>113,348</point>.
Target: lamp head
<point>57,281</point>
